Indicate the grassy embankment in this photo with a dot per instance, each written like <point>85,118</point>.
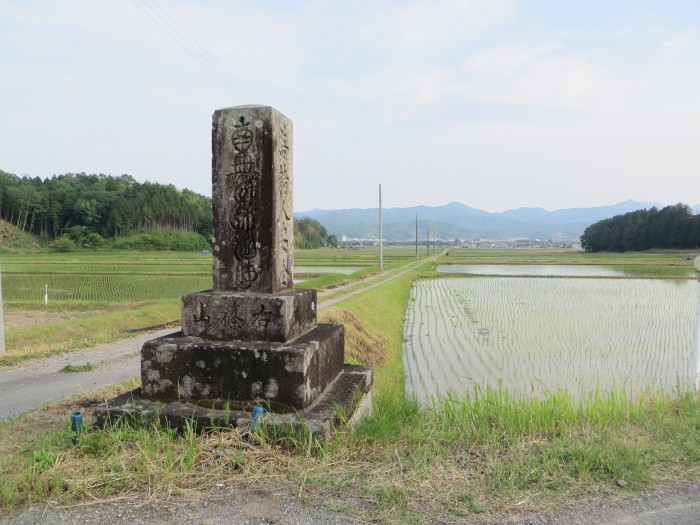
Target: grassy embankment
<point>461,458</point>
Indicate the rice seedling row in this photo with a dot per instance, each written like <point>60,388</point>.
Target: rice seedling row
<point>108,277</point>
<point>531,335</point>
<point>99,288</point>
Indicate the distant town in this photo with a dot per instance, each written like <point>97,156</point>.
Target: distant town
<point>359,244</point>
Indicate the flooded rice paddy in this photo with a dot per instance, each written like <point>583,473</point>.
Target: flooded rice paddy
<point>537,270</point>
<point>533,334</point>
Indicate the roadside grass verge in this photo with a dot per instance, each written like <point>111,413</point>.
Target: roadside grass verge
<point>488,453</point>
<point>474,458</point>
<point>102,327</point>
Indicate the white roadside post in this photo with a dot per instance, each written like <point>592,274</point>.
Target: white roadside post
<point>46,295</point>
<point>695,376</point>
<point>2,321</point>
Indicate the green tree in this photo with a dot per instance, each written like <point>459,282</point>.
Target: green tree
<point>64,244</point>
<point>94,240</point>
<point>107,205</point>
<point>309,233</point>
<point>672,227</point>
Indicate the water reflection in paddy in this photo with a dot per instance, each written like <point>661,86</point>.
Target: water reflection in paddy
<point>534,270</point>
<point>536,334</point>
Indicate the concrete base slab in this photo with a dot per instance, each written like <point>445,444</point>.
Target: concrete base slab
<point>347,398</point>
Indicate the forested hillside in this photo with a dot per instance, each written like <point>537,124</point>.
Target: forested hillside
<point>309,233</point>
<point>672,227</point>
<point>80,205</point>
<point>75,211</point>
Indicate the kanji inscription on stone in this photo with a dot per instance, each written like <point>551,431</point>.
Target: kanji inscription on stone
<point>252,200</point>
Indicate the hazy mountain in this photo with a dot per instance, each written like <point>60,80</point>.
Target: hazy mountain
<point>455,220</point>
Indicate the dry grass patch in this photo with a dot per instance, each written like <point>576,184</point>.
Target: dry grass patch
<point>17,319</point>
<point>38,461</point>
<point>362,343</point>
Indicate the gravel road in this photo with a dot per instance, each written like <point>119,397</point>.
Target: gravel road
<point>680,506</point>
<point>221,507</point>
<point>35,382</point>
<point>225,507</point>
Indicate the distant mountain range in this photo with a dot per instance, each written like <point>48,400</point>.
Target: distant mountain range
<point>455,220</point>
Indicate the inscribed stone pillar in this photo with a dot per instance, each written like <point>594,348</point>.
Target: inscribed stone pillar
<point>253,338</point>
<point>252,200</point>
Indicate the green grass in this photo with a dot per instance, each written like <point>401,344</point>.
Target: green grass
<point>12,239</point>
<point>104,326</point>
<point>331,280</point>
<point>466,458</point>
<point>114,276</point>
<point>87,367</point>
<point>102,277</point>
<point>118,291</point>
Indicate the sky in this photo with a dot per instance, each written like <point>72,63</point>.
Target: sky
<point>498,104</point>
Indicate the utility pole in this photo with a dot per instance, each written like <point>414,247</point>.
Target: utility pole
<point>381,241</point>
<point>416,236</point>
<point>427,239</point>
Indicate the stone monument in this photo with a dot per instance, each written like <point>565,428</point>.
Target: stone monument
<point>253,338</point>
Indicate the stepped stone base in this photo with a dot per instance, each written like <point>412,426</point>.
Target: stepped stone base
<point>244,316</point>
<point>291,374</point>
<point>347,398</point>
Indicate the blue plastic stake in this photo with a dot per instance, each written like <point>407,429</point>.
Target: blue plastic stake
<point>256,418</point>
<point>76,425</point>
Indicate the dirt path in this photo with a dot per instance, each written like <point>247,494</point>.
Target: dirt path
<point>366,284</point>
<point>16,319</point>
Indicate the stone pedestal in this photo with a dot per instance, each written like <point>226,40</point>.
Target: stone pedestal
<point>291,374</point>
<point>253,338</point>
<point>249,317</point>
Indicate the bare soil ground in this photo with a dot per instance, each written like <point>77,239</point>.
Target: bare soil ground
<point>16,319</point>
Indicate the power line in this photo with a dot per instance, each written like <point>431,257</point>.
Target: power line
<point>208,56</point>
<point>183,42</point>
<point>163,19</point>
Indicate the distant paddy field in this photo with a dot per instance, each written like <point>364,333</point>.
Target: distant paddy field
<point>79,279</point>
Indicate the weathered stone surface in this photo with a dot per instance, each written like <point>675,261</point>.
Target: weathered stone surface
<point>350,391</point>
<point>249,317</point>
<point>293,374</point>
<point>252,199</point>
<point>252,338</point>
